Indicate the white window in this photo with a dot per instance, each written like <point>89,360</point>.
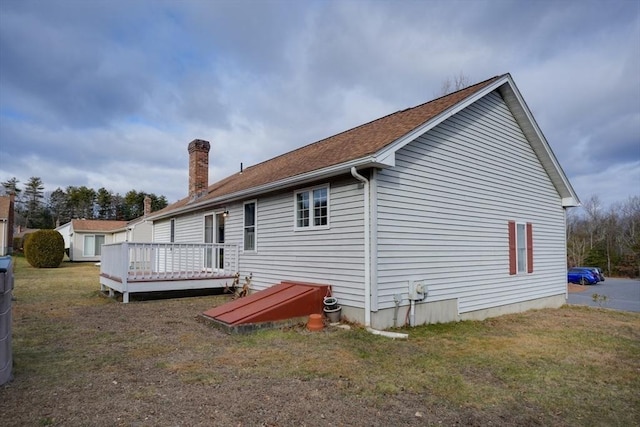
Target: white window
<point>172,233</point>
<point>93,244</point>
<point>249,235</point>
<point>312,208</point>
<point>521,247</point>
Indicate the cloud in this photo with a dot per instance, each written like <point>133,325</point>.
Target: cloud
<point>109,93</point>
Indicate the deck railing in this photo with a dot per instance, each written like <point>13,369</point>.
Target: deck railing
<point>131,262</point>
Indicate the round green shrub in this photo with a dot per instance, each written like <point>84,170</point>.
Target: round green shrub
<point>44,249</point>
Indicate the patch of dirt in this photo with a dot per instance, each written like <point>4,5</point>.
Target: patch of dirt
<point>573,288</point>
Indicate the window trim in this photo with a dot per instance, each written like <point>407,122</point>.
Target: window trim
<point>216,253</point>
<point>172,230</point>
<point>84,244</point>
<point>521,237</point>
<point>514,249</point>
<point>255,225</point>
<point>311,225</point>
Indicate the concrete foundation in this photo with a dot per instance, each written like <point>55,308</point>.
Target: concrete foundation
<point>444,312</point>
<point>555,301</point>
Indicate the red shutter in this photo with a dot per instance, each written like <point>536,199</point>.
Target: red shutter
<point>512,247</point>
<point>529,248</point>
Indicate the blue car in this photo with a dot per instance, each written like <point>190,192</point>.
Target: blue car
<point>582,276</point>
<point>597,271</point>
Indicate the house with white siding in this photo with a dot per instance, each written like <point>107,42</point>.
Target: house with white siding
<point>83,238</point>
<point>6,224</point>
<point>450,210</point>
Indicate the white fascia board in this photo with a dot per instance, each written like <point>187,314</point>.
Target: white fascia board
<point>391,149</point>
<point>570,202</point>
<point>534,135</point>
<point>301,179</point>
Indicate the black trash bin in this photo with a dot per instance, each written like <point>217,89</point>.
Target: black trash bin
<point>6,286</point>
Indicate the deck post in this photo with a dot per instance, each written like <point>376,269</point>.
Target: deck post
<point>237,260</point>
<point>125,272</point>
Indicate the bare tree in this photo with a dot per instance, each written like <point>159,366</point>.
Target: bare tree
<point>454,84</point>
<point>630,231</point>
<point>593,209</point>
<point>577,238</point>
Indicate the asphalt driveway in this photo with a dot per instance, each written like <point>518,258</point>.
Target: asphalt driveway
<point>621,294</point>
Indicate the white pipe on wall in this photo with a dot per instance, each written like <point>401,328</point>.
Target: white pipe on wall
<point>367,262</point>
<point>367,248</point>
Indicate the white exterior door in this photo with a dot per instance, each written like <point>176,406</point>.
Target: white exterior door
<point>214,233</point>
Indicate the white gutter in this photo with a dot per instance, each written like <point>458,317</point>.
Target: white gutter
<point>328,172</point>
<point>367,261</point>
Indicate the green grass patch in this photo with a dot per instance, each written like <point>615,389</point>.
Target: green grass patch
<point>571,366</point>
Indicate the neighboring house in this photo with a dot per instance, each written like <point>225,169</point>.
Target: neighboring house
<point>137,230</point>
<point>6,224</point>
<point>451,210</point>
<point>83,238</point>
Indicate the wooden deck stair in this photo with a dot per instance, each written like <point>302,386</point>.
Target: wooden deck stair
<point>284,301</point>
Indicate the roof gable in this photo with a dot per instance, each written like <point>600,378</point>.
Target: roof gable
<point>375,144</point>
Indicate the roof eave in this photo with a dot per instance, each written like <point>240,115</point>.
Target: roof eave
<point>305,178</point>
<point>390,149</point>
<point>514,100</point>
<point>386,156</point>
<point>539,143</point>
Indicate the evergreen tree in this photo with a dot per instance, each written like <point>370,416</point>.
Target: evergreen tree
<point>34,192</point>
<point>11,186</point>
<point>104,200</point>
<point>81,201</point>
<point>58,207</point>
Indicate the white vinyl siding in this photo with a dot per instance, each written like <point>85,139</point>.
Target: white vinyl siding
<point>330,256</point>
<point>161,231</point>
<point>188,229</point>
<point>443,210</point>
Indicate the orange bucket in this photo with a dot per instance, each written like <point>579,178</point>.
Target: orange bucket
<point>315,322</point>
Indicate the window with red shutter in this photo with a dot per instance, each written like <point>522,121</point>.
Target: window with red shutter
<point>529,247</point>
<point>520,247</point>
<point>512,247</point>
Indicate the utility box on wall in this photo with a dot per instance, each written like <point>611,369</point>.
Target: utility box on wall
<point>417,290</point>
<point>6,288</point>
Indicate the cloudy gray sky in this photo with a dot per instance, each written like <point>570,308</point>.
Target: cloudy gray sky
<point>108,93</point>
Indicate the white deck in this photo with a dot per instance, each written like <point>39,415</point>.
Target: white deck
<point>149,267</point>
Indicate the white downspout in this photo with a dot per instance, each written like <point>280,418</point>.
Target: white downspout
<point>367,247</point>
<point>367,261</point>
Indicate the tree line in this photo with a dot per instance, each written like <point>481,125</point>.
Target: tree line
<point>36,208</point>
<point>608,238</point>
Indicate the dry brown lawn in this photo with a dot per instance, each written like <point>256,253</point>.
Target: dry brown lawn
<point>84,360</point>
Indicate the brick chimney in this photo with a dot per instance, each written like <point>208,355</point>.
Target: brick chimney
<point>147,205</point>
<point>198,167</point>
